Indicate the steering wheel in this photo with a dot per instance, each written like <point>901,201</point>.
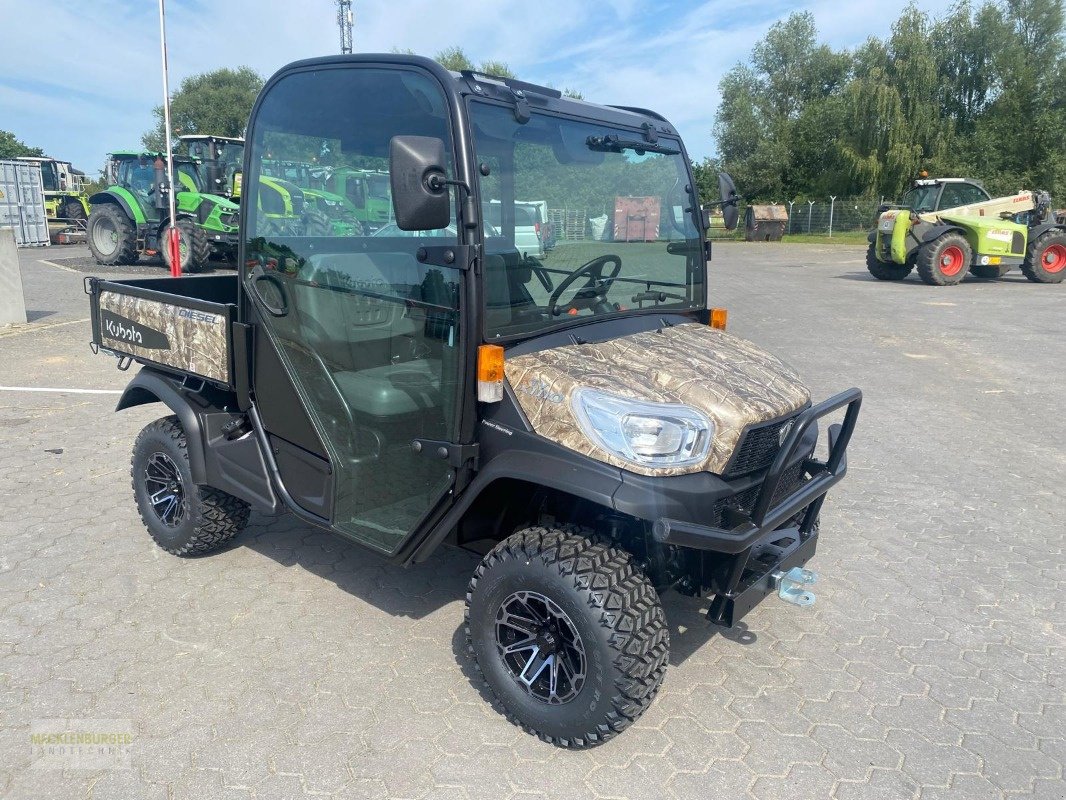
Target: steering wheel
<point>540,271</point>
<point>594,292</point>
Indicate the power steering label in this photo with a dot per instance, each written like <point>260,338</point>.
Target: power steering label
<point>175,336</point>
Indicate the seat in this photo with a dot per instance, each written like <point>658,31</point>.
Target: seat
<point>393,389</point>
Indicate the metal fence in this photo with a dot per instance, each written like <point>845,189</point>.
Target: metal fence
<point>832,215</point>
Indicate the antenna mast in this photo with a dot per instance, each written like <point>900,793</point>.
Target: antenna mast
<point>344,22</point>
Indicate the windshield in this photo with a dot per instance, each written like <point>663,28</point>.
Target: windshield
<point>617,233</point>
<point>921,198</point>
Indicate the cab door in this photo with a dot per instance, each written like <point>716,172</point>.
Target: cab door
<point>357,344</point>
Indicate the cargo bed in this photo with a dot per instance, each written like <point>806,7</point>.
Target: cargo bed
<point>182,325</point>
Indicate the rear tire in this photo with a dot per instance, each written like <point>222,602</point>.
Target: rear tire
<point>111,235</point>
<point>183,518</point>
<point>884,270</point>
<point>587,606</point>
<point>989,272</point>
<point>1046,260</point>
<point>73,210</point>
<point>945,260</point>
<point>195,248</point>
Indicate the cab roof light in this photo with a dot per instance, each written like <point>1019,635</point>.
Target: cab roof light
<point>719,318</point>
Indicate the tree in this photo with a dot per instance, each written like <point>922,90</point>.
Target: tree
<point>216,103</point>
<point>455,59</point>
<point>11,147</point>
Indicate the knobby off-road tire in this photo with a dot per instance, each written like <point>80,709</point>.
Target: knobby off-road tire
<point>74,210</point>
<point>1046,259</point>
<point>182,518</point>
<point>989,272</point>
<point>945,260</point>
<point>195,247</point>
<point>886,271</point>
<point>604,617</point>
<point>111,235</point>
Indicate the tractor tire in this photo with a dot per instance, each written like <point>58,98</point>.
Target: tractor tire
<point>945,260</point>
<point>885,270</point>
<point>587,606</point>
<point>989,272</point>
<point>183,518</point>
<point>1046,259</point>
<point>111,235</point>
<point>195,247</point>
<point>73,210</point>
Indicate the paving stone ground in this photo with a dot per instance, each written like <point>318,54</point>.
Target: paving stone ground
<point>296,664</point>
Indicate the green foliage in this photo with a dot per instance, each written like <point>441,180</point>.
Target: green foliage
<point>455,59</point>
<point>216,103</point>
<point>11,147</point>
<point>979,91</point>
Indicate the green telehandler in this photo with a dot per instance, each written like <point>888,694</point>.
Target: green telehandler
<point>946,227</point>
<point>128,218</point>
<point>65,199</point>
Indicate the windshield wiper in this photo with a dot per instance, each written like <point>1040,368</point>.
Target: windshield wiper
<point>612,143</point>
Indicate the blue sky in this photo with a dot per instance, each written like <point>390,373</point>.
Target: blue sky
<point>79,102</point>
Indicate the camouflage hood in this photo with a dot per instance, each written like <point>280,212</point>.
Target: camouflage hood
<point>733,382</point>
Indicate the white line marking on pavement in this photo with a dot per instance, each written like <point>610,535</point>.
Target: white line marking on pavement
<point>33,328</point>
<point>57,266</point>
<point>58,390</point>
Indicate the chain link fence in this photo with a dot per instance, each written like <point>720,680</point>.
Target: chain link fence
<point>833,215</point>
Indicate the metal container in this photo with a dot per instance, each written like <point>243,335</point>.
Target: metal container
<point>22,203</point>
<point>765,223</point>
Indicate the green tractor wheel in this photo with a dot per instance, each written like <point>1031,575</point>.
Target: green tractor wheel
<point>112,236</point>
<point>1046,260</point>
<point>945,260</point>
<point>884,270</point>
<point>195,249</point>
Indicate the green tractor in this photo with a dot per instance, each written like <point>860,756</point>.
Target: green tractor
<point>946,227</point>
<point>129,218</point>
<point>368,191</point>
<point>65,199</point>
<point>297,210</point>
<point>221,160</point>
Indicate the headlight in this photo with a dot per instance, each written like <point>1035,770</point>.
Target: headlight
<point>649,434</point>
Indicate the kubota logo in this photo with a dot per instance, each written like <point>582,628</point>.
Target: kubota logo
<point>540,389</point>
<point>126,331</point>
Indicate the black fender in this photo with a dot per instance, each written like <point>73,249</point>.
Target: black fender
<point>1039,230</point>
<point>578,476</point>
<point>149,386</point>
<point>936,231</point>
<point>233,465</point>
<point>872,237</point>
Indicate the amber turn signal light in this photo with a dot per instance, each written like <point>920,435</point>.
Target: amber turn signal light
<point>490,373</point>
<point>719,318</point>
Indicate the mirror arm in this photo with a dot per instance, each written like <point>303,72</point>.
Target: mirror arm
<point>436,183</point>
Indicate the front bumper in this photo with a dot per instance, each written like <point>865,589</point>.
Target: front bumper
<point>749,547</point>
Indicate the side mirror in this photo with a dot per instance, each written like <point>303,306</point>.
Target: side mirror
<point>419,194</point>
<point>730,201</point>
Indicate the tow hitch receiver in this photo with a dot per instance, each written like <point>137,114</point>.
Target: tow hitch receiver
<point>792,586</point>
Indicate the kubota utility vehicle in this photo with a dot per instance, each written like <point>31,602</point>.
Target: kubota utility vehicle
<point>128,219</point>
<point>584,424</point>
<point>948,226</point>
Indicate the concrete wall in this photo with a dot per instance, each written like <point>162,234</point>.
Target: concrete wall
<point>12,301</point>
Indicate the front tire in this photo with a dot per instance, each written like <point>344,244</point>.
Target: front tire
<point>195,249</point>
<point>886,271</point>
<point>183,518</point>
<point>111,235</point>
<point>568,635</point>
<point>944,261</point>
<point>1046,259</point>
<point>73,210</point>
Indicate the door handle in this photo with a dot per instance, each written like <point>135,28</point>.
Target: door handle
<point>275,299</point>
